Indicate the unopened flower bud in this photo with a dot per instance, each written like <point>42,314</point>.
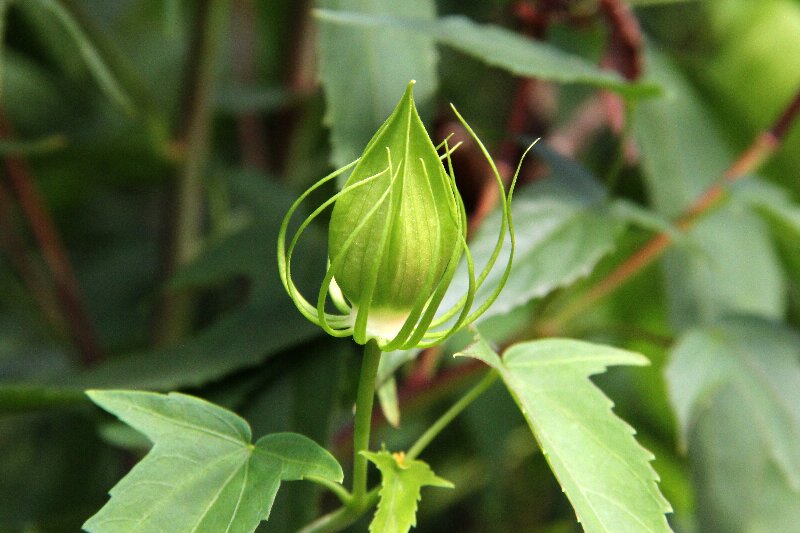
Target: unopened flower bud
<point>391,240</point>
<point>397,232</point>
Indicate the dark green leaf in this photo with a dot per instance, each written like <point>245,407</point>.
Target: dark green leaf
<point>238,340</point>
<point>97,66</point>
<point>203,473</point>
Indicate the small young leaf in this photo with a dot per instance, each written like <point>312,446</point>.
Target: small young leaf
<point>203,473</point>
<point>388,400</point>
<point>401,481</point>
<point>604,472</point>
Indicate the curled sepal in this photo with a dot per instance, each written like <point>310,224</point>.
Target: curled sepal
<point>396,235</point>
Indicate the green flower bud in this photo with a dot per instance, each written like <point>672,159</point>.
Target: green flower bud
<point>396,234</point>
<point>403,247</point>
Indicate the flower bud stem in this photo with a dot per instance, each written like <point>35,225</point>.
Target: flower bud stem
<point>363,422</point>
<point>455,410</point>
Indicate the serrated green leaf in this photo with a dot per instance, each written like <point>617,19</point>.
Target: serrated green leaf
<point>361,69</point>
<point>735,389</point>
<point>401,483</point>
<point>562,229</point>
<point>604,472</point>
<point>203,473</point>
<point>495,46</point>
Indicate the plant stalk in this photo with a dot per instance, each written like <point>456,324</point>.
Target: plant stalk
<point>185,209</point>
<point>431,433</point>
<point>347,514</point>
<point>363,421</point>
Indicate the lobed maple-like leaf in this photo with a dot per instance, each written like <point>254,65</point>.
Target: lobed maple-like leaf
<point>604,472</point>
<point>203,473</point>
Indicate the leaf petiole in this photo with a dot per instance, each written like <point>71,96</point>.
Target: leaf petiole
<point>336,488</point>
<point>455,410</point>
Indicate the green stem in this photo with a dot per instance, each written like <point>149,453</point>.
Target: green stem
<point>342,493</point>
<point>455,410</point>
<point>342,517</point>
<point>364,399</point>
<point>346,515</point>
<point>194,137</point>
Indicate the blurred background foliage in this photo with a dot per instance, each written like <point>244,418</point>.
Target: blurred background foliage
<point>151,147</point>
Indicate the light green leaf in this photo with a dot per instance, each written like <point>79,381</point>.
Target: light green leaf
<point>781,215</point>
<point>682,153</point>
<point>493,45</point>
<point>604,472</point>
<point>361,69</point>
<point>735,389</point>
<point>646,219</point>
<point>401,482</point>
<point>203,473</point>
<point>563,229</point>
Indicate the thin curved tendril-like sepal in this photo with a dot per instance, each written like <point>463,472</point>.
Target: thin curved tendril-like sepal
<point>507,271</point>
<point>285,256</point>
<point>434,337</point>
<point>317,212</point>
<point>466,301</point>
<point>321,316</point>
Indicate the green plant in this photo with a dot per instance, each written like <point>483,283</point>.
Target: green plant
<point>478,284</point>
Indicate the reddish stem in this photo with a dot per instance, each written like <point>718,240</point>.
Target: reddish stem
<point>49,241</point>
<point>763,146</point>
